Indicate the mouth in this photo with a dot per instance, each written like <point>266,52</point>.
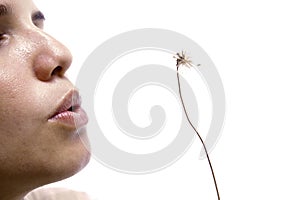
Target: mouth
<point>69,111</point>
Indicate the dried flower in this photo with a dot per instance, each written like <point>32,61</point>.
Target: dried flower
<point>182,59</point>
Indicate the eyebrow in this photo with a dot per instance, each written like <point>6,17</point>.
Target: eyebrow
<point>5,10</point>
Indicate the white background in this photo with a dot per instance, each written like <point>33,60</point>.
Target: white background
<point>255,46</point>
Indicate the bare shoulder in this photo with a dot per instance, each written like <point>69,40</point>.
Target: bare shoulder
<point>56,194</point>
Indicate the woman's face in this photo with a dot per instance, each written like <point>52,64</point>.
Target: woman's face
<point>38,141</point>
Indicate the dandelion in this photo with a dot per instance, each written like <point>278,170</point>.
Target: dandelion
<point>183,60</point>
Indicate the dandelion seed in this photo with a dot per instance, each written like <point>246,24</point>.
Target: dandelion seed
<point>183,60</point>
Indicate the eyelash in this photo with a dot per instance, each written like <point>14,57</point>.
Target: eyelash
<point>1,36</point>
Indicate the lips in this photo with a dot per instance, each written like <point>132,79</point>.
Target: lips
<point>69,111</point>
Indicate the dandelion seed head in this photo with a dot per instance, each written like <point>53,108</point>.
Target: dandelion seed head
<point>183,59</point>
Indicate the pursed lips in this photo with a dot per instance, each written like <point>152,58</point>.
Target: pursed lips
<point>69,111</point>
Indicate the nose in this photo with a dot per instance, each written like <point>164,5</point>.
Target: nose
<point>51,59</point>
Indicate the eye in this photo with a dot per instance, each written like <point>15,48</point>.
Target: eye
<point>38,19</point>
<point>3,39</point>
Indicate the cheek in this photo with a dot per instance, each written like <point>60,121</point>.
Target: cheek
<point>19,113</point>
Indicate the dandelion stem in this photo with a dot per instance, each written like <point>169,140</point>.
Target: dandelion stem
<point>206,152</point>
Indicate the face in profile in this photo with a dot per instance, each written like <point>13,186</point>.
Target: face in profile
<point>41,121</point>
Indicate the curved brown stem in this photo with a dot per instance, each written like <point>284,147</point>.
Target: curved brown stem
<point>206,152</point>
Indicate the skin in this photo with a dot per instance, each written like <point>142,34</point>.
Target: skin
<point>33,150</point>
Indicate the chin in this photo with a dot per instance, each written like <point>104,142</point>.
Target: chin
<point>63,169</point>
<point>48,165</point>
<point>73,160</point>
<point>67,160</point>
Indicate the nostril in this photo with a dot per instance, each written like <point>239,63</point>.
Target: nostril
<point>57,71</point>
